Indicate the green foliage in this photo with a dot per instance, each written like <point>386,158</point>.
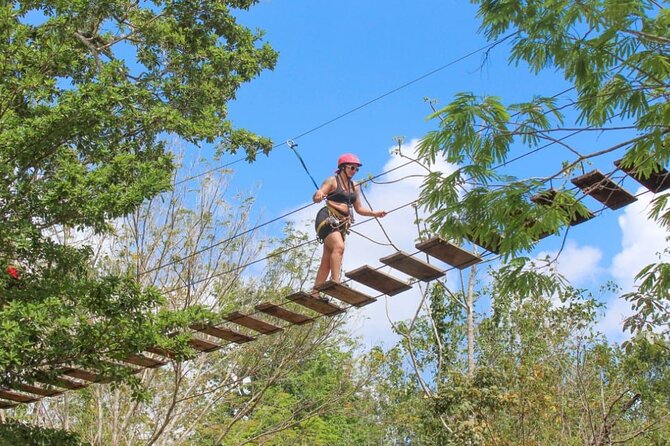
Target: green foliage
<point>89,92</point>
<point>12,434</point>
<point>322,401</point>
<point>302,384</point>
<point>650,300</point>
<point>615,55</point>
<point>542,376</point>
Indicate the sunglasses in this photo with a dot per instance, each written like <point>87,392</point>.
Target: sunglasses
<point>352,167</point>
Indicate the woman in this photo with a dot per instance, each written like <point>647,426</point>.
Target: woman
<point>333,221</point>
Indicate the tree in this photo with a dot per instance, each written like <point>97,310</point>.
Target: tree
<point>89,90</point>
<point>532,366</point>
<point>542,374</point>
<point>614,54</point>
<point>300,383</point>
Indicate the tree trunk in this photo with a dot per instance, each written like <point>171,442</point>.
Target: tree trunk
<point>470,303</point>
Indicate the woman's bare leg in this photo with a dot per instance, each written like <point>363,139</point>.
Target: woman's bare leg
<point>335,244</point>
<point>331,260</point>
<point>324,268</point>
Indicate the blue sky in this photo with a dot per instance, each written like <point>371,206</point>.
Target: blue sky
<point>336,57</point>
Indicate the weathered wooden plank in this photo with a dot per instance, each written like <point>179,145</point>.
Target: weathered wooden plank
<point>546,198</point>
<point>84,375</point>
<point>656,182</point>
<point>203,346</point>
<point>345,294</point>
<point>7,405</point>
<point>251,322</point>
<point>382,282</point>
<point>63,382</point>
<point>319,305</point>
<point>492,245</point>
<point>160,351</point>
<point>448,252</point>
<point>144,361</point>
<point>41,391</point>
<point>603,189</point>
<point>412,266</point>
<point>67,383</point>
<point>18,397</point>
<point>223,333</point>
<point>283,313</point>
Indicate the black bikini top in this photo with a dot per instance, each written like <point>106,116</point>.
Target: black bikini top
<point>341,195</point>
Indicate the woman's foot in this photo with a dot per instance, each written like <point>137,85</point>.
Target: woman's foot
<point>316,294</point>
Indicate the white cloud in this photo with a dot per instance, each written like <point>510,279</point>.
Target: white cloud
<point>611,324</point>
<point>579,264</point>
<point>642,238</point>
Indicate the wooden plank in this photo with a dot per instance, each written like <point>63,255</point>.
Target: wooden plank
<point>321,306</point>
<point>196,343</point>
<point>18,397</point>
<point>67,383</point>
<point>492,245</point>
<point>63,382</point>
<point>530,223</point>
<point>603,189</point>
<point>251,322</point>
<point>41,391</point>
<point>144,361</point>
<point>656,182</point>
<point>7,405</point>
<point>85,375</point>
<point>203,346</point>
<point>382,282</point>
<point>222,333</point>
<point>345,294</point>
<point>283,313</point>
<point>412,266</point>
<point>161,352</point>
<point>448,252</point>
<point>546,198</point>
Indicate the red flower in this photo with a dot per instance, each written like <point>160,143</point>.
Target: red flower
<point>13,272</point>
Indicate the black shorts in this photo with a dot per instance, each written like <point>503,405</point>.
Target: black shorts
<point>323,228</point>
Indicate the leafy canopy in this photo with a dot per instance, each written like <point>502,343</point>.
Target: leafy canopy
<point>614,55</point>
<point>89,93</point>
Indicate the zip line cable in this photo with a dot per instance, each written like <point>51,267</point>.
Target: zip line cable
<point>407,84</point>
<point>269,256</point>
<point>221,242</point>
<point>346,306</point>
<point>357,108</point>
<point>207,172</point>
<point>371,179</point>
<point>291,142</point>
<point>381,226</point>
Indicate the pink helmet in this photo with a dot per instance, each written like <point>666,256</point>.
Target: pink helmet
<point>348,158</point>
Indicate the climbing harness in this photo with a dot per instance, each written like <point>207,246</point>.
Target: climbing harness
<point>336,220</point>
